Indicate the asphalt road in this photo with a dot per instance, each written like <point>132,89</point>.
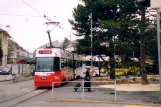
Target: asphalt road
<point>43,101</point>
<point>10,89</point>
<point>44,97</point>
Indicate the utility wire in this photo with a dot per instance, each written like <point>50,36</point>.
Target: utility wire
<point>18,15</point>
<point>46,17</point>
<point>32,7</point>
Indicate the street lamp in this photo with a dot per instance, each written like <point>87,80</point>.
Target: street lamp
<point>114,56</point>
<point>158,37</point>
<point>91,43</point>
<point>156,4</point>
<point>158,40</point>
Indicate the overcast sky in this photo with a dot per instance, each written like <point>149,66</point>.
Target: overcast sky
<point>29,31</point>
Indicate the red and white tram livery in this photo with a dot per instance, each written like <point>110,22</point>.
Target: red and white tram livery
<point>53,65</point>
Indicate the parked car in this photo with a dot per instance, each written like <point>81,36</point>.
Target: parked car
<point>6,69</point>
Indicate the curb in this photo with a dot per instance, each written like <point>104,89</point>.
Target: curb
<point>17,81</point>
<point>105,102</point>
<point>6,80</point>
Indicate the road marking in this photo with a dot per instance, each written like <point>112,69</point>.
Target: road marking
<point>137,106</point>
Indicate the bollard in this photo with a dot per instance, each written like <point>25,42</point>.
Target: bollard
<point>52,90</point>
<point>115,90</point>
<point>5,76</point>
<point>83,89</point>
<point>14,77</point>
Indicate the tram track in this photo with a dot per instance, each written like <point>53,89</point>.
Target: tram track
<point>15,97</point>
<point>21,98</point>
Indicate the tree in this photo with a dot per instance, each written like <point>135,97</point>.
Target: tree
<point>104,24</point>
<point>111,18</point>
<point>65,43</point>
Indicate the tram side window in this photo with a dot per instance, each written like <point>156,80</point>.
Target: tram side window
<point>70,65</point>
<point>76,64</point>
<point>80,64</point>
<point>63,63</point>
<point>67,63</point>
<point>56,63</point>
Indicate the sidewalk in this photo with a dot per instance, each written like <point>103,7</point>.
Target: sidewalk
<point>105,94</point>
<point>10,78</point>
<point>5,78</point>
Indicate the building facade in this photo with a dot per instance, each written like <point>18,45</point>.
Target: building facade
<point>16,53</point>
<point>12,51</point>
<point>4,36</point>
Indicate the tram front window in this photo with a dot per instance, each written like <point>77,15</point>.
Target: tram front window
<point>47,64</point>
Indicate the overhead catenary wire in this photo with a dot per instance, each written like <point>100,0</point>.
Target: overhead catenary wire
<point>18,15</point>
<point>32,7</point>
<point>46,17</point>
<point>41,15</point>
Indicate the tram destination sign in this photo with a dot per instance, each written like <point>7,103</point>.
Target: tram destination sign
<point>45,52</point>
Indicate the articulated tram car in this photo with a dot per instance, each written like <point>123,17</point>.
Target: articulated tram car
<point>57,65</point>
<point>53,65</point>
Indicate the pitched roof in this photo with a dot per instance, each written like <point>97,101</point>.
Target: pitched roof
<point>5,33</point>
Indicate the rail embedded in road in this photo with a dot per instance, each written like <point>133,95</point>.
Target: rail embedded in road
<point>16,100</point>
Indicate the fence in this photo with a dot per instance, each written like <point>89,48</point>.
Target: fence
<point>82,87</point>
<point>18,72</point>
<point>125,93</point>
<point>22,72</point>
